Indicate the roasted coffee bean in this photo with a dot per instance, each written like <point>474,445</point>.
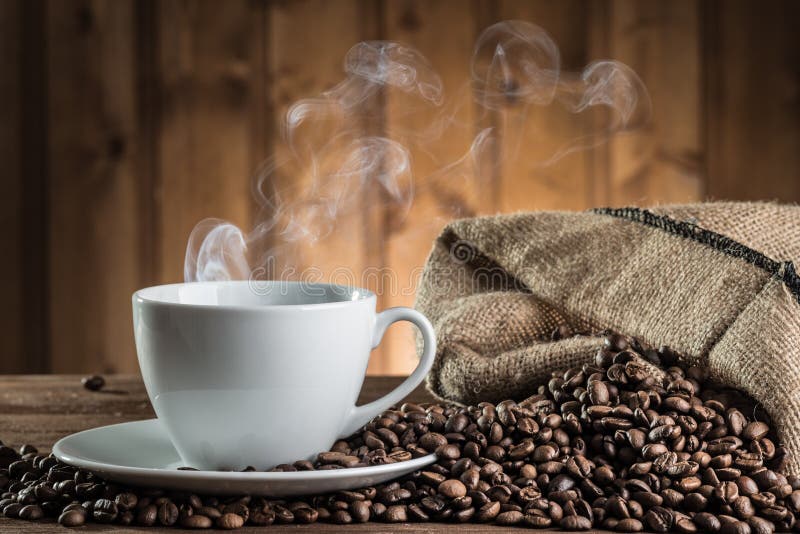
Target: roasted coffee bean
<point>359,511</point>
<point>432,440</point>
<point>105,511</point>
<point>659,519</point>
<point>452,488</point>
<point>509,518</point>
<point>759,525</point>
<point>395,514</point>
<point>536,519</point>
<point>341,517</point>
<point>735,527</point>
<point>196,521</point>
<point>127,501</point>
<point>148,515</point>
<point>72,518</point>
<point>685,525</point>
<point>488,511</point>
<point>230,521</point>
<point>579,466</point>
<point>707,521</point>
<point>755,431</point>
<point>306,514</point>
<point>31,512</point>
<point>726,492</point>
<point>629,525</point>
<point>575,522</point>
<point>93,382</point>
<point>448,452</point>
<point>743,507</point>
<point>167,513</point>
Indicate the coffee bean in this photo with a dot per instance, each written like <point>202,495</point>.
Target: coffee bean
<point>237,508</point>
<point>126,501</point>
<point>72,518</point>
<point>432,441</point>
<point>330,457</point>
<point>93,382</point>
<point>148,515</point>
<point>522,450</point>
<point>463,515</point>
<point>396,514</point>
<point>167,514</point>
<point>685,525</point>
<point>743,507</point>
<point>575,522</point>
<point>659,519</point>
<point>196,521</point>
<point>306,515</point>
<point>707,521</point>
<point>282,514</point>
<point>536,519</point>
<point>105,511</point>
<point>488,511</point>
<point>448,452</point>
<point>759,525</point>
<point>726,492</point>
<point>341,517</point>
<point>230,521</point>
<point>545,453</point>
<point>452,488</point>
<point>44,492</point>
<point>598,393</point>
<point>416,513</point>
<point>755,431</point>
<point>360,511</point>
<point>579,466</point>
<point>509,518</point>
<point>629,525</point>
<point>31,512</point>
<point>735,527</point>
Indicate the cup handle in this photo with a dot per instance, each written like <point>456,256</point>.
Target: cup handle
<point>360,415</point>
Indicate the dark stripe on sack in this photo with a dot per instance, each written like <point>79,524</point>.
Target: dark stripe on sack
<point>784,271</point>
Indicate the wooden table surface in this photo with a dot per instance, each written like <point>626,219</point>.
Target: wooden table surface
<point>41,409</point>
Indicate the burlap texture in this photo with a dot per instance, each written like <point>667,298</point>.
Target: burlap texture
<point>713,281</point>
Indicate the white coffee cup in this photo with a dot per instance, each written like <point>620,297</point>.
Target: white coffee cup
<point>258,374</point>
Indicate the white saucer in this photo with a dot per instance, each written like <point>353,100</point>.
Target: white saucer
<point>141,454</point>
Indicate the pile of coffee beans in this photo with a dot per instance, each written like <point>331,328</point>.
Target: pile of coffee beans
<point>630,442</point>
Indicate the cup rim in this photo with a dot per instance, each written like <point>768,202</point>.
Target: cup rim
<point>139,296</point>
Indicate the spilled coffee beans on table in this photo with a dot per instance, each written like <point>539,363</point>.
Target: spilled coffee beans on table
<point>629,442</point>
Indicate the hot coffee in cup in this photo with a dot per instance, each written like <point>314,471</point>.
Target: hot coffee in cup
<point>243,375</point>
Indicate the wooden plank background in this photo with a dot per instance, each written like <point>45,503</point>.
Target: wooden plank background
<point>123,123</point>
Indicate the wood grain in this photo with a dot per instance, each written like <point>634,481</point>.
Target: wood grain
<point>35,163</point>
<point>208,59</point>
<point>663,160</point>
<point>92,198</point>
<point>752,100</point>
<point>122,124</point>
<point>11,217</point>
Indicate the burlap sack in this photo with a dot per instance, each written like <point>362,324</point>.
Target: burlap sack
<point>713,281</point>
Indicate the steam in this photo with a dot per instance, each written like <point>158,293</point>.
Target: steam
<point>339,147</point>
